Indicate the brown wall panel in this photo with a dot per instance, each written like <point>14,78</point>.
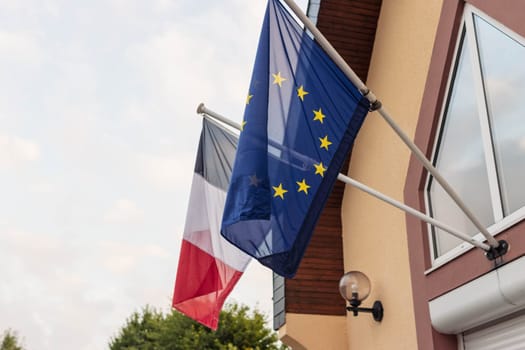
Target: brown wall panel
<point>350,26</point>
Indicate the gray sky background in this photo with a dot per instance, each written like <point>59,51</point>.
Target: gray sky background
<point>98,134</point>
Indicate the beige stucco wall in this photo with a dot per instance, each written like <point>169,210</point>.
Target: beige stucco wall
<point>314,332</point>
<point>374,233</point>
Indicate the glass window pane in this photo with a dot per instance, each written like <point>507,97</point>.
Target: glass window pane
<point>503,65</point>
<point>460,160</point>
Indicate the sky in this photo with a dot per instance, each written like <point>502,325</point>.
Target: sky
<point>98,136</point>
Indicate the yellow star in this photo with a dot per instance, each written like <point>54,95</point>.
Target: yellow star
<point>279,191</point>
<point>318,115</point>
<point>243,124</point>
<point>324,142</point>
<point>319,169</point>
<point>302,93</point>
<point>303,187</point>
<point>277,79</point>
<point>248,98</point>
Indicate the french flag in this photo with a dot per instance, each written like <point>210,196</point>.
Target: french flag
<point>209,266</point>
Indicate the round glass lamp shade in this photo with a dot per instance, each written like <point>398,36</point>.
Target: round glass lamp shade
<point>354,285</point>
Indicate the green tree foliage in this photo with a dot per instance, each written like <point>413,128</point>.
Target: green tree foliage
<point>239,329</point>
<point>10,341</point>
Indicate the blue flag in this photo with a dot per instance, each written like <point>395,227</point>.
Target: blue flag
<point>302,115</point>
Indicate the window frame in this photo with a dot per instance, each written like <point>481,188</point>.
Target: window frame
<point>502,222</point>
<point>472,264</point>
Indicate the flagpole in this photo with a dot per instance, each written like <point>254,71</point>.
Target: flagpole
<point>201,109</point>
<point>376,105</point>
<point>412,211</point>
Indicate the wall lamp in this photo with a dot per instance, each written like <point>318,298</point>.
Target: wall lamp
<point>354,286</point>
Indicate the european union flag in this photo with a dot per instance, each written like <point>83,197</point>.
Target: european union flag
<point>302,115</point>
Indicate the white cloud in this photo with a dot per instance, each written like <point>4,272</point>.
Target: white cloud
<point>20,48</point>
<point>165,60</point>
<point>42,187</point>
<point>121,258</point>
<point>124,211</point>
<point>72,94</point>
<point>163,6</point>
<point>167,172</point>
<point>30,9</point>
<point>15,151</point>
<point>522,144</point>
<point>202,57</point>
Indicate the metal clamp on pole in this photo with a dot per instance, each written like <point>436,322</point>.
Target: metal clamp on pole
<point>374,106</point>
<point>496,252</point>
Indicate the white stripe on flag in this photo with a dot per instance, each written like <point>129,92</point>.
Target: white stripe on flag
<point>207,206</point>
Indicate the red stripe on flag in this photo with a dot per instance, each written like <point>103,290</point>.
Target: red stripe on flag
<point>203,284</point>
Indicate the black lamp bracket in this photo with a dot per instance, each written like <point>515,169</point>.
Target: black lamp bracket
<point>376,310</point>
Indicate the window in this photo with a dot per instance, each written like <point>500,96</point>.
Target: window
<point>480,148</point>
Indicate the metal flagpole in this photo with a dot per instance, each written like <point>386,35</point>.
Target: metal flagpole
<point>376,105</point>
<point>412,211</point>
<point>201,109</point>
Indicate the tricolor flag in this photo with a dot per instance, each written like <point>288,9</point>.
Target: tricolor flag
<point>301,119</point>
<point>209,266</point>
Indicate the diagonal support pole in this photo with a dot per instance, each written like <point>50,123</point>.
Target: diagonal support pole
<point>201,109</point>
<point>376,105</point>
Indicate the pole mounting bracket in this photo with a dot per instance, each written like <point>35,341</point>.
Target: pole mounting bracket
<point>499,251</point>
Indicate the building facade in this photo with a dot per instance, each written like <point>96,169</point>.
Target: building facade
<point>450,73</point>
